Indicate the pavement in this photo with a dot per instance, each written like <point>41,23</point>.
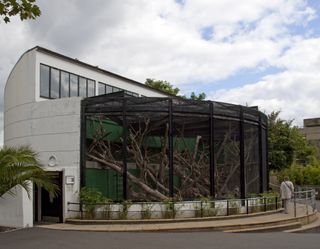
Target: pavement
<point>40,238</point>
<point>73,236</point>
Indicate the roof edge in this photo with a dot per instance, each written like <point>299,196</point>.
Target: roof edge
<point>97,69</point>
<point>29,50</point>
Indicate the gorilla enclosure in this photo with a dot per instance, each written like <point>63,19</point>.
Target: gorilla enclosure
<point>152,149</point>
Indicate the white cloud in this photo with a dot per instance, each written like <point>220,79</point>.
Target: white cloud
<point>162,39</point>
<point>295,91</point>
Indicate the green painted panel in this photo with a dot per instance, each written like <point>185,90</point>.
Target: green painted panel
<point>106,181</point>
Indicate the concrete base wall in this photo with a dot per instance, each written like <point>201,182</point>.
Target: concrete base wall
<point>17,210</point>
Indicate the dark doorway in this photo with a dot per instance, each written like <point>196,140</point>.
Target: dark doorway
<point>49,209</point>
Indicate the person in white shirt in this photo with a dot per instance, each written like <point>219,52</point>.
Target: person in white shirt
<point>286,193</point>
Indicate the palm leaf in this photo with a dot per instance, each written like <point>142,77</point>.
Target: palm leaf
<point>21,167</point>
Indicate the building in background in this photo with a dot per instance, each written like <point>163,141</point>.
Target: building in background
<point>311,130</point>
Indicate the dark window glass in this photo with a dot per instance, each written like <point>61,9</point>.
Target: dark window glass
<point>64,84</point>
<point>44,81</point>
<point>108,89</point>
<point>54,83</point>
<point>116,89</point>
<point>82,87</point>
<point>73,85</point>
<point>101,88</point>
<point>91,88</point>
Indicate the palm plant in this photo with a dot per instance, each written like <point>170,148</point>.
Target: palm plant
<point>20,167</point>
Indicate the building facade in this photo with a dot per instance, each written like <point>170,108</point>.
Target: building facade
<point>311,130</point>
<point>59,106</point>
<point>42,109</point>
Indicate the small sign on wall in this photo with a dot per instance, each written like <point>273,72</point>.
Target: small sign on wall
<point>70,180</point>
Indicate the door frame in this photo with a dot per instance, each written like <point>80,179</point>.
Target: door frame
<point>37,203</point>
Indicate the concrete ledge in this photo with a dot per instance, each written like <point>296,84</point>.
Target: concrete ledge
<point>313,226</point>
<point>253,222</point>
<point>178,220</point>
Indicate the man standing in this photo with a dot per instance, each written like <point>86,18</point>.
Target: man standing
<point>286,192</point>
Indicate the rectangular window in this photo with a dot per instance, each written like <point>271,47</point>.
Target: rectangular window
<point>108,89</point>
<point>44,81</point>
<point>82,87</point>
<point>101,88</point>
<point>116,89</point>
<point>64,84</point>
<point>73,85</point>
<point>91,88</point>
<point>55,76</point>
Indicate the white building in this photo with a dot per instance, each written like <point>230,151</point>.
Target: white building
<point>42,109</point>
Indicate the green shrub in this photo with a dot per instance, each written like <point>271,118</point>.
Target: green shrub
<point>146,210</point>
<point>90,197</point>
<point>301,175</point>
<point>125,208</point>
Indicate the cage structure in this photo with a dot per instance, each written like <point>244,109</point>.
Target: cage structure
<point>152,149</point>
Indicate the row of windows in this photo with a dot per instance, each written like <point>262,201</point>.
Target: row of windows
<point>105,89</point>
<point>56,83</point>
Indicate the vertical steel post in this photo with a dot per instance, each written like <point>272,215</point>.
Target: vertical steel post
<point>242,163</point>
<point>247,204</point>
<point>212,159</point>
<point>267,155</point>
<point>294,206</point>
<point>124,148</point>
<point>170,147</point>
<point>83,152</point>
<point>227,207</point>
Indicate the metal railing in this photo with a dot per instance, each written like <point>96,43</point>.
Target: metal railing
<point>174,210</point>
<point>303,202</point>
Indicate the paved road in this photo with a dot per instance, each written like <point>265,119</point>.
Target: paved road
<point>37,238</point>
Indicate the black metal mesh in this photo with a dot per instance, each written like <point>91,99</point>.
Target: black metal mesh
<point>251,156</point>
<point>191,133</point>
<point>167,147</point>
<point>227,158</point>
<point>264,161</point>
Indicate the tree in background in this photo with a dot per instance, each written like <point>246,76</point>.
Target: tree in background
<point>163,86</point>
<point>167,87</point>
<point>19,167</point>
<point>200,96</point>
<point>287,145</point>
<point>26,9</point>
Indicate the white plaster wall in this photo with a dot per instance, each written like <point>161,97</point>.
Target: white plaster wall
<point>17,210</point>
<point>50,127</point>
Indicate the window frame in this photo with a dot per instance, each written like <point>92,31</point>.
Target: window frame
<point>49,82</point>
<point>69,82</point>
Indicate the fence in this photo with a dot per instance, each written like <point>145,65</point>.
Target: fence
<point>304,202</point>
<point>174,210</point>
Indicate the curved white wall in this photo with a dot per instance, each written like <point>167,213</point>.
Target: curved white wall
<point>50,127</point>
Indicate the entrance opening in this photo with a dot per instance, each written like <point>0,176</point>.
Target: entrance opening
<point>48,209</point>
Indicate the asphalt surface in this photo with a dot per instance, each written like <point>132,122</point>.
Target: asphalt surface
<point>39,238</point>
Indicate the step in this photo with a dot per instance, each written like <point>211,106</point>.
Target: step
<point>274,228</point>
<point>313,226</point>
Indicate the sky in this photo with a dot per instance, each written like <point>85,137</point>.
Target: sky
<point>251,52</point>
